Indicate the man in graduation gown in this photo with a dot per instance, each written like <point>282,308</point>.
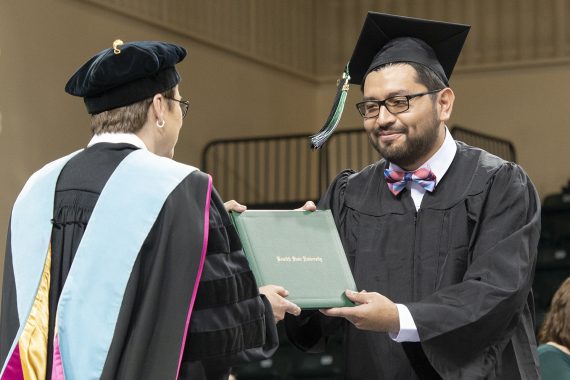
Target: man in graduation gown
<point>120,262</point>
<point>441,236</point>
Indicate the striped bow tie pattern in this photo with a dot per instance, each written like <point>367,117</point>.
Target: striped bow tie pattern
<point>397,179</point>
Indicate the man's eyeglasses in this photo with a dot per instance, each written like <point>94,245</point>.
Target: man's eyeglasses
<point>184,105</point>
<point>396,104</point>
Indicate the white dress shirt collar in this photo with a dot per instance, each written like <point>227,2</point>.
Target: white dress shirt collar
<point>118,138</point>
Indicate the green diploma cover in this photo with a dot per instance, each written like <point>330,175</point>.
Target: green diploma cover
<point>299,250</point>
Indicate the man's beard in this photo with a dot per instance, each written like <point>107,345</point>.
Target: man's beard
<point>408,153</point>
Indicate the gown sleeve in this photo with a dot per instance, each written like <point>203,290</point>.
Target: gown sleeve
<point>310,330</point>
<point>232,322</point>
<point>464,327</point>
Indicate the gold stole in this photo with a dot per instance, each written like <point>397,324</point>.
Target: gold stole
<point>34,339</point>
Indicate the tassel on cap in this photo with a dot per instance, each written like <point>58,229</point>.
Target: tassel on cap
<point>318,139</point>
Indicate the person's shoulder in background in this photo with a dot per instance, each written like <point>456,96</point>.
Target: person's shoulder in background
<point>554,363</point>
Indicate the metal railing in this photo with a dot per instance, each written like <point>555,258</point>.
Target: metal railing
<point>495,145</point>
<point>282,171</point>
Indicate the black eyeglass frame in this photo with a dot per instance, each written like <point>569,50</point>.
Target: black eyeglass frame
<point>184,105</point>
<point>383,103</point>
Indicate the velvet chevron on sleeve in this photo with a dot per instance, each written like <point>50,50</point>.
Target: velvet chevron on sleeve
<point>232,324</point>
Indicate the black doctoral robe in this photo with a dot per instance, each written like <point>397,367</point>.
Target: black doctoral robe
<point>463,264</point>
<point>231,323</point>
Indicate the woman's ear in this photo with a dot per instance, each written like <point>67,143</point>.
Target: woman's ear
<point>445,101</point>
<point>158,104</point>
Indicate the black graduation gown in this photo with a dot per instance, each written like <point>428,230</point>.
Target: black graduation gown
<point>463,264</point>
<point>231,323</point>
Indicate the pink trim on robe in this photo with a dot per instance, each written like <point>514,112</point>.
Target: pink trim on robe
<point>14,367</point>
<point>200,268</point>
<point>57,365</point>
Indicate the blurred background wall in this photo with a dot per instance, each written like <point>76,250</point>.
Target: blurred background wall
<point>266,67</point>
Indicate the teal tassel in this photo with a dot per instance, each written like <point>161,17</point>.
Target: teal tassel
<point>318,139</point>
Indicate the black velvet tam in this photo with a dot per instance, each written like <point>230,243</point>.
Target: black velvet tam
<point>125,74</point>
<point>388,38</point>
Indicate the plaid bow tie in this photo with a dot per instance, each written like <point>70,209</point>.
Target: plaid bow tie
<point>397,179</point>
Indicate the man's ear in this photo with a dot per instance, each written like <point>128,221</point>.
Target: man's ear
<point>445,101</point>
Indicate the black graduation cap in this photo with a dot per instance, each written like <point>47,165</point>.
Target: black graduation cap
<point>389,38</point>
<point>126,73</point>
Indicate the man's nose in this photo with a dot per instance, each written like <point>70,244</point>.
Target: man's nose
<point>385,117</point>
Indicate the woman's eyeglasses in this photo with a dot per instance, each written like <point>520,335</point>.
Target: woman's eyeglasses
<point>184,105</point>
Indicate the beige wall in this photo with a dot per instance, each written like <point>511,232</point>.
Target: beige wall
<point>527,106</point>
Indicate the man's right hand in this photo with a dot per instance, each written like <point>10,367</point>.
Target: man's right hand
<point>276,296</point>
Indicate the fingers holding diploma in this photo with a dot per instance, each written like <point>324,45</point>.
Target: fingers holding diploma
<point>373,312</point>
<point>276,296</point>
<point>308,206</point>
<point>234,206</point>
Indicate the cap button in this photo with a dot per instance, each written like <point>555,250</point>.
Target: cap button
<point>116,45</point>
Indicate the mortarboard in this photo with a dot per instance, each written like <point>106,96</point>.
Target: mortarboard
<point>388,38</point>
<point>125,74</point>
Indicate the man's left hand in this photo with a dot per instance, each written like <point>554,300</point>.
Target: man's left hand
<point>373,312</point>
